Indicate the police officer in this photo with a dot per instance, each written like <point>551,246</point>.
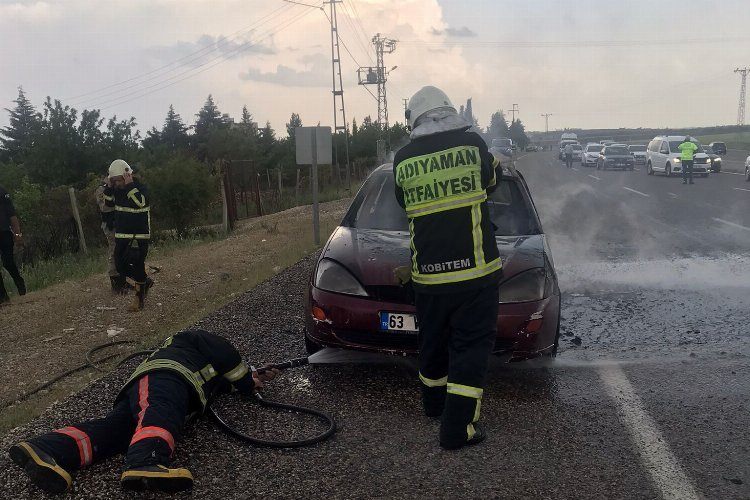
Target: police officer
<point>10,234</point>
<point>442,177</point>
<point>687,154</point>
<point>107,214</point>
<point>147,419</point>
<point>132,224</point>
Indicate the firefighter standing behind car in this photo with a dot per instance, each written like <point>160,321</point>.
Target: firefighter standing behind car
<point>442,177</point>
<point>107,213</point>
<point>148,416</point>
<point>130,201</point>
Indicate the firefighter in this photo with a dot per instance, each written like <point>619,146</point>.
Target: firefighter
<point>10,234</point>
<point>175,383</point>
<point>132,224</point>
<point>442,177</point>
<point>687,153</point>
<point>107,214</point>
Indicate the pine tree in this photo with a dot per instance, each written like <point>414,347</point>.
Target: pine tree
<point>25,122</point>
<point>209,116</point>
<point>517,133</point>
<point>174,131</point>
<point>247,118</point>
<point>294,122</point>
<point>498,125</point>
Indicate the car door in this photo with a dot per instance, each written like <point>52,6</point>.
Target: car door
<point>663,156</point>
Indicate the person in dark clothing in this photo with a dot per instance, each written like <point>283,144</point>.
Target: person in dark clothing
<point>107,214</point>
<point>442,177</point>
<point>132,224</point>
<point>10,234</point>
<point>177,381</point>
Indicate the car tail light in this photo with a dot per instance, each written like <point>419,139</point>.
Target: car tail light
<point>333,277</point>
<point>528,286</point>
<point>319,313</point>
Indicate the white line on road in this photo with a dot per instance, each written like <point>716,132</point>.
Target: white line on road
<point>594,177</point>
<point>636,192</point>
<point>574,169</point>
<point>657,458</point>
<point>731,173</point>
<point>733,224</point>
<point>637,169</point>
<point>672,195</point>
<point>742,189</point>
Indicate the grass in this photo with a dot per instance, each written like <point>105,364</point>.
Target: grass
<point>735,140</point>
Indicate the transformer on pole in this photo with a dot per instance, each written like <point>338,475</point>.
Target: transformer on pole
<point>378,75</point>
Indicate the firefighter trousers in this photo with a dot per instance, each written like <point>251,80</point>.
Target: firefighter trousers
<point>130,258</point>
<point>456,336</point>
<point>144,424</point>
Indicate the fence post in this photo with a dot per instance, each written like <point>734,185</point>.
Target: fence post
<point>225,206</point>
<point>77,217</point>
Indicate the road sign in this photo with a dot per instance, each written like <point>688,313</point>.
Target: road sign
<point>304,144</point>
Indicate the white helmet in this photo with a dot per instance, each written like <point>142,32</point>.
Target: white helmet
<point>119,168</point>
<point>425,100</point>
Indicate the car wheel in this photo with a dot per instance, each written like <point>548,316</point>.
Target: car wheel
<point>668,170</point>
<point>311,346</point>
<point>649,170</point>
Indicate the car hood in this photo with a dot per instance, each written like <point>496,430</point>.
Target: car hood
<point>371,255</point>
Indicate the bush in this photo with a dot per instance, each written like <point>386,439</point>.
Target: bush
<point>182,191</point>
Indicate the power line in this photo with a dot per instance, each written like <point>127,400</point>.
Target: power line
<point>361,41</point>
<point>225,58</point>
<point>206,49</point>
<point>578,43</point>
<point>359,20</point>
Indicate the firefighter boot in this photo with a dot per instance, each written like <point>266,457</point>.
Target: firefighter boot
<point>138,298</point>
<point>119,285</point>
<point>41,468</point>
<point>147,286</point>
<point>156,477</point>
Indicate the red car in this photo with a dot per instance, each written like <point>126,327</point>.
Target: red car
<point>354,300</point>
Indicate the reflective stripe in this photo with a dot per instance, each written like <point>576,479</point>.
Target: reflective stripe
<point>82,441</point>
<point>477,410</point>
<point>142,400</point>
<point>208,372</point>
<point>237,372</point>
<point>456,276</point>
<point>132,195</point>
<point>152,432</point>
<point>130,236</point>
<point>414,266</point>
<point>465,390</point>
<point>470,431</point>
<point>108,198</point>
<point>476,234</point>
<point>193,378</point>
<point>129,210</point>
<point>440,206</point>
<point>431,382</point>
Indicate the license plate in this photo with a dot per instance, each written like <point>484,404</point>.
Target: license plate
<point>398,322</point>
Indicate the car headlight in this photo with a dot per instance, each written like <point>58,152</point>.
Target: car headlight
<point>528,286</point>
<point>333,277</point>
<point>677,160</point>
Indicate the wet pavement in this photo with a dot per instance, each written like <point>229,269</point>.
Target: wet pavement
<point>647,399</point>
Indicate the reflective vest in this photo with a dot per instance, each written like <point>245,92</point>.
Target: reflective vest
<point>132,211</point>
<point>687,150</point>
<point>442,181</point>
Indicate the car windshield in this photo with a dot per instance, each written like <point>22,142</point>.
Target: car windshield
<point>637,149</point>
<point>674,146</point>
<point>577,147</point>
<point>375,207</point>
<point>594,148</point>
<point>616,150</point>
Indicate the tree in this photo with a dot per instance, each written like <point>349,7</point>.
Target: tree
<point>174,131</point>
<point>25,122</point>
<point>247,118</point>
<point>517,133</point>
<point>498,125</point>
<point>209,116</point>
<point>294,122</point>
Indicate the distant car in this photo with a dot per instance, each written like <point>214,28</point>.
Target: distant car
<point>639,153</point>
<point>663,155</point>
<point>591,154</point>
<point>354,301</point>
<point>606,142</point>
<point>714,159</point>
<point>719,148</point>
<point>532,148</point>
<point>615,156</point>
<point>503,144</point>
<point>747,169</point>
<point>577,150</point>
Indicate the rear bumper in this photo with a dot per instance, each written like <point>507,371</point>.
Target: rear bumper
<point>354,323</point>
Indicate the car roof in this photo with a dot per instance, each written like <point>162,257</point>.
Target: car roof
<point>618,145</point>
<point>673,137</point>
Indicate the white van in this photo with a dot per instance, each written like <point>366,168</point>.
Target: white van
<point>663,155</point>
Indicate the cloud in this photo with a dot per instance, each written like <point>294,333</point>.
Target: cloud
<point>315,72</point>
<point>462,32</point>
<point>209,47</point>
<point>28,11</point>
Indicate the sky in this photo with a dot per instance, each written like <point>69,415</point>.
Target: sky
<point>591,63</point>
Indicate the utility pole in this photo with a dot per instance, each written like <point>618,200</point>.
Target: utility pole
<point>741,109</point>
<point>338,91</point>
<point>379,75</point>
<point>406,105</point>
<point>514,111</point>
<point>546,121</point>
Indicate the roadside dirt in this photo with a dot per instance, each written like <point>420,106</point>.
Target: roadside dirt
<point>49,331</point>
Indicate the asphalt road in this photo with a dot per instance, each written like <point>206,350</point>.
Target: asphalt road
<point>647,399</point>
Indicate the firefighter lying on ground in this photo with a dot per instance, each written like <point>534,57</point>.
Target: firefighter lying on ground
<point>176,381</point>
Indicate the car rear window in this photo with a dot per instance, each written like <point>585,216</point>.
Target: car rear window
<point>616,150</point>
<point>375,207</point>
<point>595,148</point>
<point>577,147</point>
<point>637,149</point>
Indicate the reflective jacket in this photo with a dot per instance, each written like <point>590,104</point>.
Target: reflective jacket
<point>208,363</point>
<point>442,182</point>
<point>687,150</point>
<point>132,211</point>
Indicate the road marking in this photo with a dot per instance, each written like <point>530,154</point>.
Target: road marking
<point>733,224</point>
<point>672,195</point>
<point>731,173</point>
<point>656,456</point>
<point>742,189</point>
<point>637,169</point>
<point>574,169</point>
<point>636,192</point>
<point>594,177</point>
